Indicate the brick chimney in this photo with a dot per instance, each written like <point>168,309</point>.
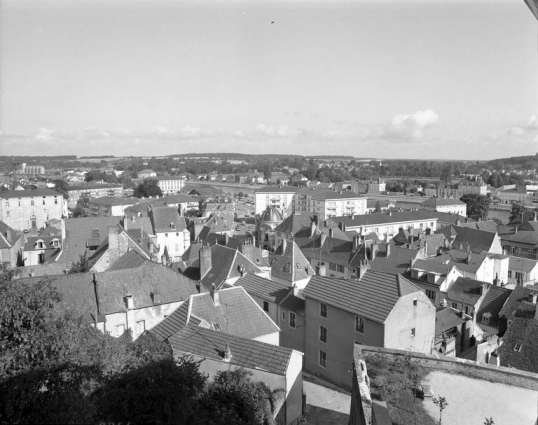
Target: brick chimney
<point>214,295</point>
<point>363,267</point>
<point>321,269</point>
<point>387,249</point>
<point>312,228</point>
<point>204,256</point>
<point>356,242</point>
<point>331,232</point>
<point>115,247</point>
<point>373,251</point>
<point>227,353</point>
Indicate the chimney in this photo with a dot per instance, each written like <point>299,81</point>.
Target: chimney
<point>330,232</point>
<point>242,269</point>
<point>227,353</point>
<point>114,247</point>
<point>214,295</point>
<point>373,251</point>
<point>284,245</point>
<point>312,228</point>
<point>387,249</point>
<point>534,297</point>
<point>363,267</point>
<point>468,259</point>
<point>129,302</point>
<point>322,239</point>
<point>356,242</point>
<point>204,256</point>
<point>320,269</point>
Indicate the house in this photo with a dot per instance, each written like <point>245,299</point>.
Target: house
<point>487,317</point>
<point>230,310</point>
<point>31,209</point>
<point>144,174</point>
<point>522,270</point>
<point>524,242</point>
<point>518,304</point>
<point>517,195</point>
<point>452,332</point>
<point>173,238</point>
<point>474,239</point>
<point>292,321</point>
<point>446,205</point>
<point>204,192</point>
<point>468,185</point>
<point>83,193</point>
<point>290,267</point>
<point>110,206</point>
<point>380,309</point>
<point>43,248</point>
<point>11,244</point>
<point>278,367</point>
<point>170,185</point>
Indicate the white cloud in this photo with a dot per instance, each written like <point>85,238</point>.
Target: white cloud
<point>44,135</point>
<point>412,125</point>
<point>517,131</point>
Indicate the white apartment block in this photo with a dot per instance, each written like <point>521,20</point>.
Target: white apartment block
<point>170,185</point>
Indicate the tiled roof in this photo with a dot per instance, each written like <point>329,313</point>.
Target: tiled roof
<point>433,265</point>
<point>167,285</point>
<point>277,189</point>
<point>51,269</point>
<point>523,236</point>
<point>337,195</point>
<point>432,242</point>
<point>178,199</point>
<point>93,186</point>
<point>444,217</point>
<point>522,264</point>
<point>162,218</point>
<point>10,194</point>
<point>263,288</point>
<point>398,261</point>
<point>446,319</point>
<point>372,297</point>
<point>488,225</point>
<point>238,314</point>
<point>8,236</point>
<point>130,260</point>
<point>292,265</point>
<point>333,251</point>
<point>519,295</point>
<point>524,332</point>
<point>113,201</point>
<point>246,353</point>
<point>383,218</point>
<point>293,303</point>
<point>78,231</point>
<point>271,215</point>
<point>493,303</point>
<point>476,240</point>
<point>465,290</point>
<point>434,202</point>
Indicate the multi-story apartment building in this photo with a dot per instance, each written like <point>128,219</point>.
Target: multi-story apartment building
<point>26,209</point>
<point>277,197</point>
<point>85,192</point>
<point>170,185</point>
<point>331,204</point>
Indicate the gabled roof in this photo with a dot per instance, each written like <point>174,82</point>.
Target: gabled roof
<point>237,314</point>
<point>443,217</point>
<point>130,260</point>
<point>167,219</point>
<point>467,291</point>
<point>277,189</point>
<point>493,303</point>
<point>264,288</point>
<point>8,236</point>
<point>141,282</point>
<point>488,225</point>
<point>292,265</point>
<point>397,262</point>
<point>78,231</point>
<point>372,297</point>
<point>433,243</point>
<point>522,264</point>
<point>293,303</point>
<point>520,295</point>
<point>529,237</point>
<point>334,250</point>
<point>446,319</point>
<point>476,240</point>
<point>246,353</point>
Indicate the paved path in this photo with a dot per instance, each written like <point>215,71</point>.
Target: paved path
<point>326,404</point>
<point>472,400</point>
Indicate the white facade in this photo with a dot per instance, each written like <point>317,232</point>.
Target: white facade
<point>331,207</point>
<point>283,200</point>
<point>176,243</point>
<point>170,185</point>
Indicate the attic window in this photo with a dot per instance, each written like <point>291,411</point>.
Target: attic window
<point>517,347</point>
<point>257,260</point>
<point>216,326</point>
<point>172,225</point>
<point>95,233</point>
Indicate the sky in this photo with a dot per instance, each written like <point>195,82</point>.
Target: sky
<point>422,79</point>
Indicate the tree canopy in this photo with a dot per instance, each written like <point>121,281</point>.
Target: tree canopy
<point>147,188</point>
<point>477,205</point>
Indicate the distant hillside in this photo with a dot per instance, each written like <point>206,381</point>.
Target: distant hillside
<point>528,162</point>
<point>245,156</point>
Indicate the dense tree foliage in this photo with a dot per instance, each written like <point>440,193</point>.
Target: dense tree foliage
<point>477,206</point>
<point>516,211</point>
<point>147,188</point>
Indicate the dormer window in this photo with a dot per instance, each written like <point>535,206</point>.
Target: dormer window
<point>172,225</point>
<point>39,244</point>
<point>517,347</point>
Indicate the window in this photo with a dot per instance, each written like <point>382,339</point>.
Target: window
<point>323,334</point>
<point>7,204</point>
<point>412,331</point>
<point>359,324</point>
<point>332,266</point>
<point>517,347</point>
<point>119,329</point>
<point>454,306</point>
<point>430,294</point>
<point>509,273</point>
<point>323,310</point>
<point>7,214</point>
<point>32,202</point>
<point>415,301</point>
<point>531,252</point>
<point>283,315</point>
<point>292,320</point>
<point>19,202</point>
<point>520,276</point>
<point>140,326</point>
<point>466,310</point>
<point>43,200</point>
<point>265,306</point>
<point>166,235</point>
<point>340,268</point>
<point>323,359</point>
<point>56,200</point>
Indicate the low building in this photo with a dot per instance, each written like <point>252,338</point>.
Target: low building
<point>144,174</point>
<point>170,185</point>
<point>84,193</point>
<point>446,205</point>
<point>11,244</point>
<point>173,238</point>
<point>522,271</point>
<point>110,206</point>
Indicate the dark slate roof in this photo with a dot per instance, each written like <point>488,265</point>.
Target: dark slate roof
<point>217,238</point>
<point>8,236</point>
<point>93,186</point>
<point>263,288</point>
<point>113,201</point>
<point>167,285</point>
<point>493,303</point>
<point>238,314</point>
<point>294,222</point>
<point>79,231</point>
<point>336,195</point>
<point>130,260</point>
<point>334,250</point>
<point>51,269</point>
<point>277,189</point>
<point>292,265</point>
<point>383,218</point>
<point>271,215</point>
<point>177,199</point>
<point>529,237</point>
<point>161,217</point>
<point>465,290</point>
<point>10,194</point>
<point>444,217</point>
<point>432,242</point>
<point>397,262</point>
<point>524,332</point>
<point>246,353</point>
<point>372,297</point>
<point>477,240</point>
<point>488,225</point>
<point>434,202</point>
<point>293,303</point>
<point>518,296</point>
<point>446,319</point>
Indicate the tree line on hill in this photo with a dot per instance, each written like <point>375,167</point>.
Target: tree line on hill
<point>58,369</point>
